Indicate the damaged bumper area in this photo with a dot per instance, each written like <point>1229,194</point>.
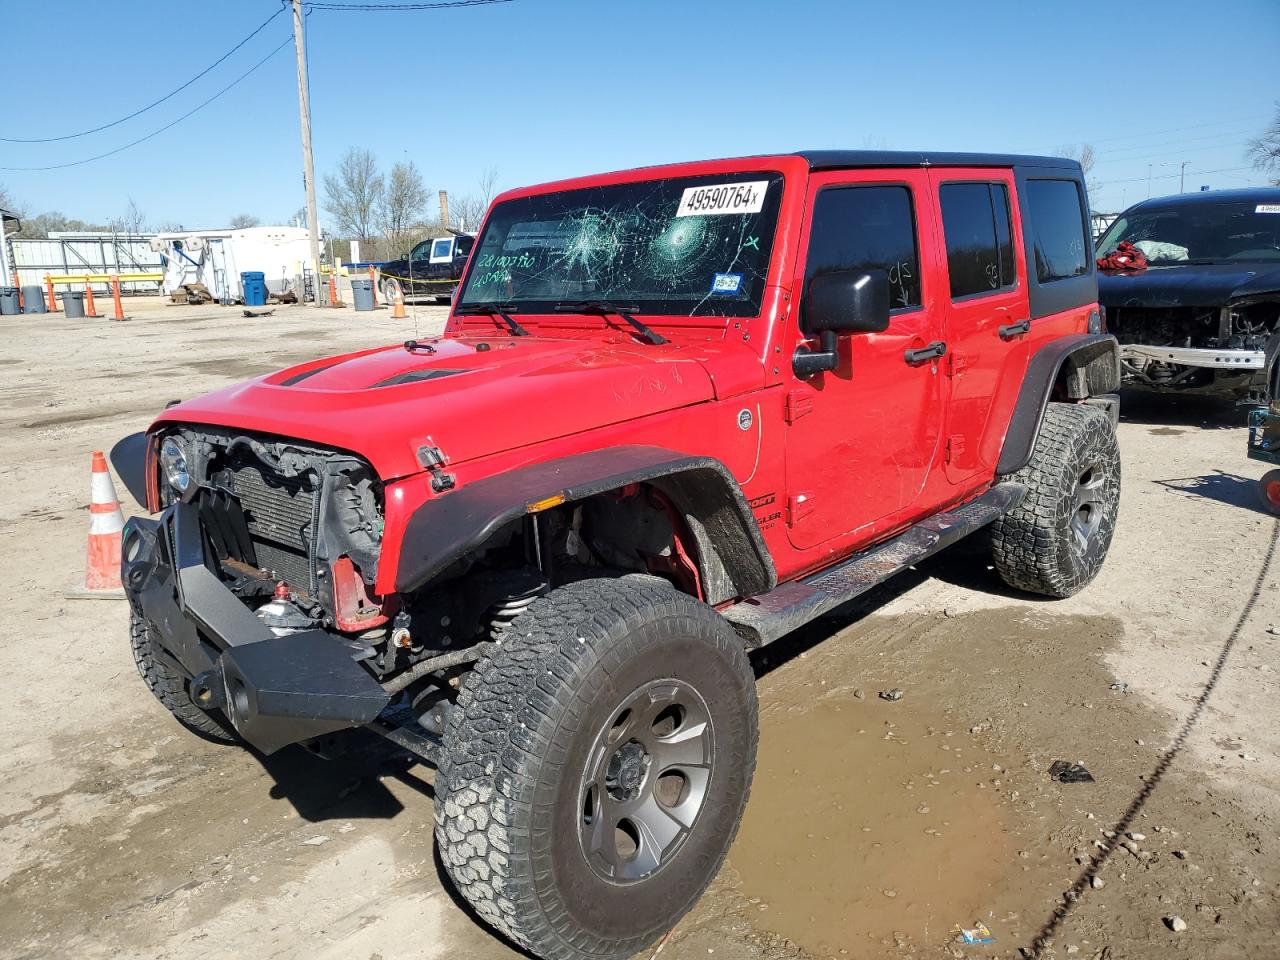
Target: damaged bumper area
<point>1211,359</point>
<point>274,689</point>
<point>1227,352</point>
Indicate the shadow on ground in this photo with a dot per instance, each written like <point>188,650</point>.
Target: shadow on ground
<point>1163,410</point>
<point>1220,486</point>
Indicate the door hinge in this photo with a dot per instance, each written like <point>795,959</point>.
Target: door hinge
<point>799,506</point>
<point>799,402</point>
<point>955,364</point>
<point>955,446</point>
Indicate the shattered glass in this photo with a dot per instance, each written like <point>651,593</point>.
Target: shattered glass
<point>687,246</point>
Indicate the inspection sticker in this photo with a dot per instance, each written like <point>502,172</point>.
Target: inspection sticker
<point>726,284</point>
<point>718,198</point>
<point>1267,208</point>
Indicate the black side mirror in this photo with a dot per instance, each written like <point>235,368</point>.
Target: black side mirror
<point>842,301</point>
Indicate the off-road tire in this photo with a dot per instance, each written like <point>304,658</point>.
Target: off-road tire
<point>170,687</point>
<point>512,775</point>
<point>1036,545</point>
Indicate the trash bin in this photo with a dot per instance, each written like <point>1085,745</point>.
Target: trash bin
<point>73,303</point>
<point>33,298</point>
<point>254,283</point>
<point>9,304</point>
<point>362,294</point>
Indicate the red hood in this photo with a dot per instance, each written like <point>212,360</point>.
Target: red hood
<point>470,397</point>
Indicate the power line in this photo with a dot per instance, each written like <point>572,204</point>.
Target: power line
<point>1157,133</point>
<point>442,5</point>
<point>1179,143</point>
<point>167,96</point>
<point>172,123</point>
<point>1179,152</point>
<point>1169,176</point>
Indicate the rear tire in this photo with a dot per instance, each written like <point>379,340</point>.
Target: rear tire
<point>552,817</point>
<point>170,687</point>
<point>1055,541</point>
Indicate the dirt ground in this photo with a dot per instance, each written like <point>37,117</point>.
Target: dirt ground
<point>875,829</point>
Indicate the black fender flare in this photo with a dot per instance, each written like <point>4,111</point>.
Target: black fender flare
<point>735,561</point>
<point>129,457</point>
<point>1087,364</point>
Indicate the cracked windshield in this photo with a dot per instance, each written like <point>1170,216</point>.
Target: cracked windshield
<point>691,246</point>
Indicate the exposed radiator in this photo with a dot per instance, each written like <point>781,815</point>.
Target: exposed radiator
<point>281,514</point>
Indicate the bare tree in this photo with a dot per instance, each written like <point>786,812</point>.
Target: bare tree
<point>7,202</point>
<point>403,206</point>
<point>243,221</point>
<point>1084,155</point>
<point>354,194</point>
<point>133,221</point>
<point>1264,151</point>
<point>470,209</point>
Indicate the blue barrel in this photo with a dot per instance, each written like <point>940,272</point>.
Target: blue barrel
<point>9,303</point>
<point>254,283</point>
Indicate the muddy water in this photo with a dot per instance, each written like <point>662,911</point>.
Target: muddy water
<point>866,832</point>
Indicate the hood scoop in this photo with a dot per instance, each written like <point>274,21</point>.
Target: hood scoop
<point>416,376</point>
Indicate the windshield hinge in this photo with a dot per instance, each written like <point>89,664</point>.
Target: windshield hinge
<point>433,459</point>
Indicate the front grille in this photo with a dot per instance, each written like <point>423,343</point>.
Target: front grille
<point>281,514</point>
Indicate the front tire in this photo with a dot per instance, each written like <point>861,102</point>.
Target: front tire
<point>171,689</point>
<point>597,768</point>
<point>1055,541</point>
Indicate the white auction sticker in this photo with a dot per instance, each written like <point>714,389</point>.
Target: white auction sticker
<point>1260,208</point>
<point>718,198</point>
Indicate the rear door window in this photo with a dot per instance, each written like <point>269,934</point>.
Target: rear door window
<point>1057,223</point>
<point>975,223</point>
<point>862,228</point>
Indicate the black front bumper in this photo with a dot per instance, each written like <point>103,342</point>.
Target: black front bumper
<point>275,690</point>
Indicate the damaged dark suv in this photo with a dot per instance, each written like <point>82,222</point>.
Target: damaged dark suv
<point>1201,316</point>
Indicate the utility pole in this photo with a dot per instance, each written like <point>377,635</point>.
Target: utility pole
<point>308,168</point>
<point>1182,177</point>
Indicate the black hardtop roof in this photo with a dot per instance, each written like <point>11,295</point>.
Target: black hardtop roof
<point>841,159</point>
<point>1238,195</point>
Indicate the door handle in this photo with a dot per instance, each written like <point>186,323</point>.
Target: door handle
<point>1011,330</point>
<point>931,352</point>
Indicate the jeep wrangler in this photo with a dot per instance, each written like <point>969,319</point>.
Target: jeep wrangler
<point>675,413</point>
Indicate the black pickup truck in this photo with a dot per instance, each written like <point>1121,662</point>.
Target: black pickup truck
<point>1204,315</point>
<point>432,268</point>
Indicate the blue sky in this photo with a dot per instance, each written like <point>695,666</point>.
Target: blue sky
<point>544,89</point>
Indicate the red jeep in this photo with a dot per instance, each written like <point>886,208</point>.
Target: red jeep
<point>676,413</point>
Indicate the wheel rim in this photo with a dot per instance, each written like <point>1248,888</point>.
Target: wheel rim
<point>1087,509</point>
<point>645,781</point>
<point>1271,489</point>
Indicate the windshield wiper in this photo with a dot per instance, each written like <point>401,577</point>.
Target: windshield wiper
<point>502,310</point>
<point>624,310</point>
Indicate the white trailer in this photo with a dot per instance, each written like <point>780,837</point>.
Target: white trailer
<point>216,258</point>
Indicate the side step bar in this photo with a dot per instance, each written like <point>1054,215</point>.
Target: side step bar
<point>764,619</point>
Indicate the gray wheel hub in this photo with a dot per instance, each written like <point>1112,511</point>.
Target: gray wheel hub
<point>645,781</point>
<point>1087,508</point>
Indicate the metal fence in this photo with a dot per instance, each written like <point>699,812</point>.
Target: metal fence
<point>86,253</point>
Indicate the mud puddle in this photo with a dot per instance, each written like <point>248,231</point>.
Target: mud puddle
<point>880,827</point>
<point>864,832</point>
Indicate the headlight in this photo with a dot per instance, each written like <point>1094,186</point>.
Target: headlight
<point>173,460</point>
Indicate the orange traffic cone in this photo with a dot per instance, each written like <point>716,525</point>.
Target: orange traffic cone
<point>397,301</point>
<point>115,295</point>
<point>102,557</point>
<point>89,309</point>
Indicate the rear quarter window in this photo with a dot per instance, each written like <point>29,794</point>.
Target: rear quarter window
<point>1058,229</point>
